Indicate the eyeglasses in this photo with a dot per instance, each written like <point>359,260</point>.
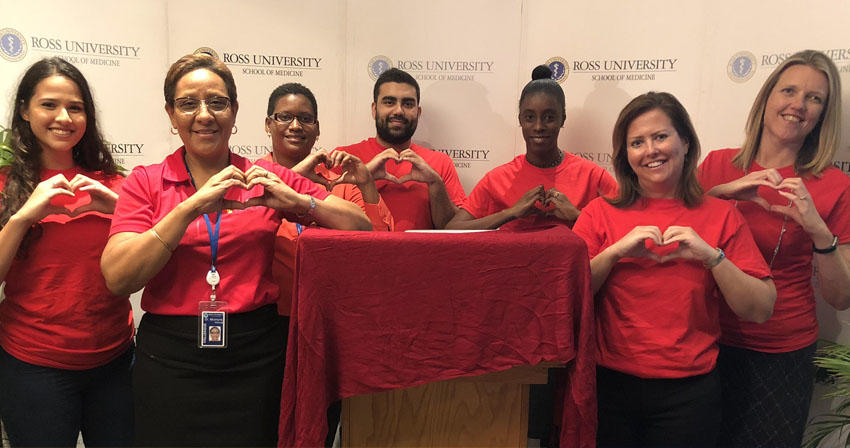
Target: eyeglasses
<point>214,104</point>
<point>286,118</point>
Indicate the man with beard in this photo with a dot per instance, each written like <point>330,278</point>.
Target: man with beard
<point>420,186</point>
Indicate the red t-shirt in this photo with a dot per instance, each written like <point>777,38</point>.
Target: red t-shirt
<point>409,202</point>
<point>246,243</point>
<point>287,234</point>
<point>57,311</point>
<point>794,322</point>
<point>580,180</point>
<point>660,320</point>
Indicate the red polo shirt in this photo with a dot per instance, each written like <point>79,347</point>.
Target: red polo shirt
<point>245,248</point>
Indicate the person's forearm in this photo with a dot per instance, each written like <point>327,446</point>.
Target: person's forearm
<point>369,192</point>
<point>463,220</point>
<point>833,274</point>
<point>130,260</point>
<point>442,208</point>
<point>750,298</point>
<point>336,213</point>
<point>600,267</point>
<point>720,191</point>
<point>10,240</point>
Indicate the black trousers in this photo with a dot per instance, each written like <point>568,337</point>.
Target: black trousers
<point>641,412</point>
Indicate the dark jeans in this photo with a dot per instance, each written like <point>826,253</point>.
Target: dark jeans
<point>680,412</point>
<point>44,406</point>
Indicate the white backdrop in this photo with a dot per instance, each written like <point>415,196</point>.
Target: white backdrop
<point>472,58</point>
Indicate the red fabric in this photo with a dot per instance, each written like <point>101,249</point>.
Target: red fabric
<point>57,311</point>
<point>284,244</point>
<point>578,179</point>
<point>661,320</point>
<point>435,315</point>
<point>794,322</point>
<point>246,242</point>
<point>409,202</point>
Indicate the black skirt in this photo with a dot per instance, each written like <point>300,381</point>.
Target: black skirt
<point>188,396</point>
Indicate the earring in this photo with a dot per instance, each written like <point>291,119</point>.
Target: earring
<point>234,130</point>
<point>269,134</point>
<point>174,131</point>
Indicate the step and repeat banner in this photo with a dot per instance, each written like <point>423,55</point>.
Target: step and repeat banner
<point>471,58</point>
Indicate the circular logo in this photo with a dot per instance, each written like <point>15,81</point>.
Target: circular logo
<point>560,68</point>
<point>377,65</point>
<point>207,51</point>
<point>741,67</point>
<point>13,46</point>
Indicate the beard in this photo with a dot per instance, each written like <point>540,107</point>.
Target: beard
<point>395,136</point>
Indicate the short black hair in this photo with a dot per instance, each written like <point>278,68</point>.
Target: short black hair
<point>395,75</point>
<point>291,88</point>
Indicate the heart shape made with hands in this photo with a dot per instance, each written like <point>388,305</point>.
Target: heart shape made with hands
<point>661,250</point>
<point>71,203</point>
<point>242,195</point>
<point>400,167</point>
<point>544,207</point>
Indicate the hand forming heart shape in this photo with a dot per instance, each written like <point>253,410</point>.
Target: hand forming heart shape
<point>79,195</point>
<point>675,242</point>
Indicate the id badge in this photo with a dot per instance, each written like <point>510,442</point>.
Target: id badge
<point>212,324</point>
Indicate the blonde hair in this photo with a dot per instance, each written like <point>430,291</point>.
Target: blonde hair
<point>820,145</point>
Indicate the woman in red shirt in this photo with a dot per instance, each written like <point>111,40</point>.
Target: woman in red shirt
<point>197,232</point>
<point>663,258</point>
<point>546,182</point>
<point>292,122</point>
<point>66,339</point>
<point>798,208</point>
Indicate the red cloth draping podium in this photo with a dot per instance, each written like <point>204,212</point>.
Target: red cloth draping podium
<point>376,311</point>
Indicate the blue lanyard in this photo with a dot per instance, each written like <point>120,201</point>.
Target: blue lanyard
<point>299,228</point>
<point>213,236</point>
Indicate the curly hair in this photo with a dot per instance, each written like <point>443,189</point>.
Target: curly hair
<point>90,153</point>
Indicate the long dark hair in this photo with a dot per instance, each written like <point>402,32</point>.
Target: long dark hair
<point>90,153</point>
<point>688,189</point>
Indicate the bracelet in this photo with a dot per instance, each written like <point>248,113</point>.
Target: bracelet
<point>720,257</point>
<point>829,249</point>
<point>310,210</point>
<point>161,240</point>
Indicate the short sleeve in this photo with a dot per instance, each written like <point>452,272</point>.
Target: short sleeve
<point>737,242</point>
<point>134,211</point>
<point>480,201</point>
<point>585,225</point>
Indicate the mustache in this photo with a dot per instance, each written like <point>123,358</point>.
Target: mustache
<point>399,118</point>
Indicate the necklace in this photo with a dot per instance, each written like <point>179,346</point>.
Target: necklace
<point>551,164</point>
<point>781,231</point>
<point>781,234</point>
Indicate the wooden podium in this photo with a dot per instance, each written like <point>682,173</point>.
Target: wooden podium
<point>402,315</point>
<point>489,411</point>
